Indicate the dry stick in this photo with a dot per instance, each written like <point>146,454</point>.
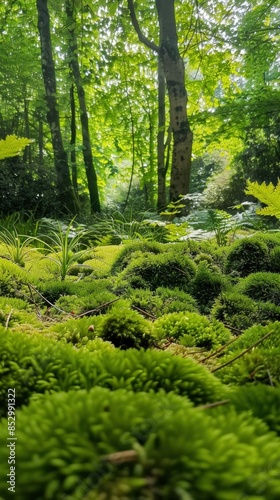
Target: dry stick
<point>48,302</point>
<point>243,352</point>
<point>97,308</point>
<point>218,350</point>
<point>120,457</point>
<point>239,332</point>
<point>213,405</point>
<point>270,378</point>
<point>34,302</point>
<point>144,312</point>
<point>8,319</point>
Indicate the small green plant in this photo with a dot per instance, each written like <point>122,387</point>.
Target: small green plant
<point>65,245</point>
<point>16,245</point>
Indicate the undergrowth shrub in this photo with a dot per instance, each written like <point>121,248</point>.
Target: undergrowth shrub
<point>34,364</point>
<point>247,256</point>
<point>167,270</point>
<point>261,286</point>
<point>191,329</point>
<point>184,451</point>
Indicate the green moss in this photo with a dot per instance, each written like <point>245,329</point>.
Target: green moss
<point>261,286</point>
<point>34,364</point>
<point>128,250</point>
<point>191,329</point>
<point>153,271</point>
<point>247,256</point>
<point>126,329</point>
<point>68,441</point>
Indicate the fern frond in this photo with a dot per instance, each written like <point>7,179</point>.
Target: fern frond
<point>12,146</point>
<point>268,194</point>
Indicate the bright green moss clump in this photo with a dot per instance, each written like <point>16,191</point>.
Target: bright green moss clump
<point>34,364</point>
<point>69,441</point>
<point>191,329</point>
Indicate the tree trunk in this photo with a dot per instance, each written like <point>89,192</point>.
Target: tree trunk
<point>174,72</point>
<point>73,158</point>
<point>161,201</point>
<point>65,190</point>
<point>75,69</point>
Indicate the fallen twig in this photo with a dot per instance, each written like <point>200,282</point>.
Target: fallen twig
<point>243,352</point>
<point>8,319</point>
<point>213,405</point>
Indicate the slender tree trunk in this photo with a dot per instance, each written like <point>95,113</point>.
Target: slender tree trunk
<point>87,153</point>
<point>27,157</point>
<point>174,71</point>
<point>161,200</point>
<point>73,142</point>
<point>65,190</point>
<point>41,141</point>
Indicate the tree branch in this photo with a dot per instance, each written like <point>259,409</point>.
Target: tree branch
<point>141,36</point>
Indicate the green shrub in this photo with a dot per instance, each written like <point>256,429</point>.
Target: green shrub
<point>120,445</point>
<point>261,286</point>
<point>247,256</point>
<point>126,255</point>
<point>191,329</point>
<point>34,364</point>
<point>262,400</point>
<point>126,329</point>
<point>206,287</point>
<point>167,270</point>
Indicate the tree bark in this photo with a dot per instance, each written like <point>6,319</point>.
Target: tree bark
<point>75,70</point>
<point>161,171</point>
<point>73,158</point>
<point>65,190</point>
<point>174,71</point>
